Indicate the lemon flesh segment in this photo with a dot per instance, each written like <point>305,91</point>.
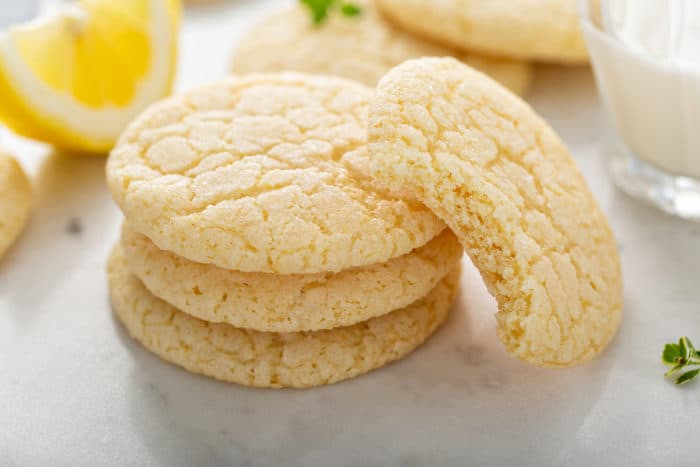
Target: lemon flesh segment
<point>76,78</point>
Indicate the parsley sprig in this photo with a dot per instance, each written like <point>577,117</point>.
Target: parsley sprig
<point>683,359</point>
<point>319,9</point>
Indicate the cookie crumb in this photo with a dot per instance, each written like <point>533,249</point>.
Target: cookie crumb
<point>74,227</point>
<point>472,355</point>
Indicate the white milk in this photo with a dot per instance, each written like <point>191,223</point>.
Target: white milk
<point>647,64</point>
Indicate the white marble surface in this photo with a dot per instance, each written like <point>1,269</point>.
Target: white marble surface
<point>75,390</point>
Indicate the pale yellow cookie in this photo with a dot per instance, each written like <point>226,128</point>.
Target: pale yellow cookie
<point>541,30</point>
<point>501,179</point>
<point>362,48</point>
<point>266,359</point>
<point>250,174</point>
<point>291,302</point>
<point>15,201</point>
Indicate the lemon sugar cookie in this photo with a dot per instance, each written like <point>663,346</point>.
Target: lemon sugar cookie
<point>251,174</point>
<point>362,48</point>
<point>501,179</point>
<point>285,303</point>
<point>15,201</point>
<point>263,359</point>
<point>540,30</point>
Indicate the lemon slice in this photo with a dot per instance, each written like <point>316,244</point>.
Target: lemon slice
<point>75,77</point>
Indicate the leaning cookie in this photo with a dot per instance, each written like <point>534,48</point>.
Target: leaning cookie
<point>291,302</point>
<point>540,30</point>
<point>15,201</point>
<point>501,179</point>
<point>251,174</point>
<point>264,359</point>
<point>362,48</point>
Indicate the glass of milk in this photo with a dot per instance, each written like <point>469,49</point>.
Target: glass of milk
<point>646,59</point>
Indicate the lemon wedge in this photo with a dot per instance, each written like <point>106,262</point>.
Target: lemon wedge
<point>75,77</point>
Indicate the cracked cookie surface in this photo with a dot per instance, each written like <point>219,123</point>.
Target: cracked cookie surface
<point>15,201</point>
<point>250,174</point>
<point>540,30</point>
<point>263,359</point>
<point>290,302</point>
<point>362,48</point>
<point>502,180</point>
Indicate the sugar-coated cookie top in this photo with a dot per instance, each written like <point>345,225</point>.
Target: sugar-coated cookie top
<point>542,30</point>
<point>501,179</point>
<point>362,48</point>
<point>265,173</point>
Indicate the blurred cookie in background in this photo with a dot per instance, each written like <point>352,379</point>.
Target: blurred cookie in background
<point>361,47</point>
<point>537,30</point>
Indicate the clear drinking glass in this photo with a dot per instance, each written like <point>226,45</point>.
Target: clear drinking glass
<point>646,60</point>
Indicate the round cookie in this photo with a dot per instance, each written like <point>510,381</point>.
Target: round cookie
<point>540,30</point>
<point>265,359</point>
<point>501,179</point>
<point>291,302</point>
<point>15,201</point>
<point>362,48</point>
<point>252,174</point>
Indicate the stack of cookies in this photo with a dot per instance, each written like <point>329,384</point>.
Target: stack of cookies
<point>288,230</point>
<point>256,247</point>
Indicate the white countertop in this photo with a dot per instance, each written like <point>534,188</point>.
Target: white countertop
<point>76,390</point>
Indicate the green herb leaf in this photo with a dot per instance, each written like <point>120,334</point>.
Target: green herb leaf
<point>350,9</point>
<point>682,357</point>
<point>674,370</point>
<point>683,348</point>
<point>687,349</point>
<point>320,9</point>
<point>685,377</point>
<point>671,353</point>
